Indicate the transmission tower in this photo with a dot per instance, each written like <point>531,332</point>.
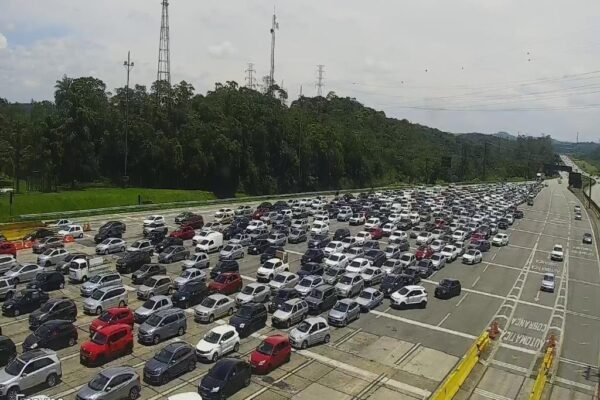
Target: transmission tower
<point>274,26</point>
<point>250,80</point>
<point>319,84</point>
<point>164,60</point>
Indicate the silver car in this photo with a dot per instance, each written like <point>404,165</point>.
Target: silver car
<point>369,298</point>
<point>28,370</point>
<point>151,306</point>
<point>7,288</point>
<point>391,266</point>
<point>392,251</point>
<point>311,331</point>
<point>112,383</point>
<point>214,306</point>
<point>253,292</point>
<point>285,279</point>
<point>6,263</point>
<point>47,243</point>
<point>111,245</point>
<point>354,252</point>
<point>343,312</point>
<point>189,275</point>
<point>307,284</point>
<point>141,245</point>
<point>105,298</point>
<point>290,313</point>
<point>277,239</point>
<point>332,275</point>
<point>23,273</point>
<point>349,285</point>
<point>100,280</point>
<point>232,252</point>
<point>52,256</point>
<point>155,285</point>
<point>372,276</point>
<point>172,254</point>
<point>241,238</point>
<point>162,324</point>
<point>198,260</point>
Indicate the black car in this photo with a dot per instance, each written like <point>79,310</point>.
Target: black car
<point>371,245</point>
<point>172,360</point>
<point>48,281</point>
<point>63,309</point>
<point>310,268</point>
<point>341,234</point>
<point>8,350</point>
<point>447,288</point>
<point>156,238</point>
<point>518,214</point>
<point>224,266</point>
<point>39,233</point>
<point>281,297</point>
<point>146,271</point>
<point>424,268</point>
<point>168,242</point>
<point>231,231</point>
<point>281,228</point>
<point>391,283</point>
<point>315,255</point>
<point>503,224</point>
<point>132,261</point>
<point>249,318</point>
<point>104,234</point>
<point>63,266</point>
<point>25,301</point>
<point>481,245</point>
<point>270,253</point>
<point>225,378</point>
<point>55,334</point>
<point>377,257</point>
<point>258,247</point>
<point>179,218</point>
<point>318,242</point>
<point>190,294</point>
<point>116,225</point>
<point>404,225</point>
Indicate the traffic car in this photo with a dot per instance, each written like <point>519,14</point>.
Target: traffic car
<point>249,318</point>
<point>587,238</point>
<point>423,252</point>
<point>253,293</point>
<point>224,266</point>
<point>372,275</point>
<point>447,288</point>
<point>8,350</point>
<point>232,252</point>
<point>111,245</point>
<point>132,261</point>
<point>28,370</point>
<point>155,285</point>
<point>55,334</point>
<point>189,275</point>
<point>283,280</point>
<point>226,283</point>
<point>214,306</point>
<point>162,324</point>
<point>225,378</point>
<point>53,309</point>
<point>173,360</point>
<point>185,232</point>
<point>190,294</point>
<point>309,332</point>
<point>438,261</point>
<point>273,351</point>
<point>50,242</point>
<point>557,253</point>
<point>369,299</point>
<point>472,256</point>
<point>409,296</point>
<point>307,283</point>
<point>173,254</point>
<point>548,282</point>
<point>8,248</point>
<point>48,281</point>
<point>198,260</point>
<point>500,239</point>
<point>105,298</point>
<point>112,383</point>
<point>152,306</point>
<point>166,242</point>
<point>112,316</point>
<point>343,312</point>
<point>349,285</point>
<point>25,301</point>
<point>107,344</point>
<point>147,271</point>
<point>52,256</point>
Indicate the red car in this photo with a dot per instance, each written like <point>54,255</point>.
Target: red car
<point>109,343</point>
<point>195,221</point>
<point>440,223</point>
<point>423,252</point>
<point>478,236</point>
<point>8,248</point>
<point>226,283</point>
<point>274,351</point>
<point>184,233</point>
<point>259,213</point>
<point>376,233</point>
<point>112,316</point>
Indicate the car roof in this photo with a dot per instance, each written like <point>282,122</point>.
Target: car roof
<point>35,354</point>
<point>159,297</point>
<point>314,320</point>
<point>347,301</point>
<point>276,339</point>
<point>160,276</point>
<point>414,287</point>
<point>108,329</point>
<point>370,290</point>
<point>169,311</point>
<point>114,371</point>
<point>221,329</point>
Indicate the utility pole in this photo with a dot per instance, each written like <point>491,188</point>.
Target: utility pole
<point>320,71</point>
<point>300,95</point>
<point>250,76</point>
<point>128,66</point>
<point>164,55</point>
<point>274,26</point>
<point>577,138</point>
<point>484,158</point>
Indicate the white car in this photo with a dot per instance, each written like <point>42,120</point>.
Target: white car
<point>319,228</point>
<point>424,238</point>
<point>271,268</point>
<point>75,231</point>
<point>217,342</point>
<point>358,265</point>
<point>337,260</point>
<point>307,284</point>
<point>362,237</point>
<point>437,245</point>
<point>154,219</point>
<point>61,224</point>
<point>373,222</point>
<point>348,242</point>
<point>548,283</point>
<point>500,239</point>
<point>459,235</point>
<point>557,253</point>
<point>334,246</point>
<point>354,252</point>
<point>450,252</point>
<point>472,256</point>
<point>398,235</point>
<point>255,224</point>
<point>409,296</point>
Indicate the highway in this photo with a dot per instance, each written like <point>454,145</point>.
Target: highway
<point>405,354</point>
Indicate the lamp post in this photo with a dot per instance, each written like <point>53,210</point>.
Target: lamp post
<point>128,64</point>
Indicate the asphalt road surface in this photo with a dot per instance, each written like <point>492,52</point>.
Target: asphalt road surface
<point>405,354</point>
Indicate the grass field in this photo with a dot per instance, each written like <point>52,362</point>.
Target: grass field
<point>34,203</point>
<point>587,167</point>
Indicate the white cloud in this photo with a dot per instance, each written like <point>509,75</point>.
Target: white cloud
<point>222,50</point>
<point>3,41</point>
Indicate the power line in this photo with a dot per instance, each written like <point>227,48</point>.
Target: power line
<point>319,84</point>
<point>250,80</point>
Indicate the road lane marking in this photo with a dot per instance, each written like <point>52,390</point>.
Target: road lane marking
<point>569,382</point>
<point>443,319</point>
<point>509,366</point>
<point>476,280</point>
<point>461,299</point>
<point>490,395</point>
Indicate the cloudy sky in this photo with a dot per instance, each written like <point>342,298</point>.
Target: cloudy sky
<point>462,65</point>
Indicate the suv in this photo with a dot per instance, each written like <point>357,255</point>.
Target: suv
<point>105,298</point>
<point>25,301</point>
<point>310,331</point>
<point>107,344</point>
<point>249,318</point>
<point>29,370</point>
<point>8,350</point>
<point>112,316</point>
<point>447,288</point>
<point>155,285</point>
<point>321,298</point>
<point>133,261</point>
<point>411,295</point>
<point>161,325</point>
<point>54,309</point>
<point>172,360</point>
<point>55,334</point>
<point>101,280</point>
<point>151,306</point>
<point>290,313</point>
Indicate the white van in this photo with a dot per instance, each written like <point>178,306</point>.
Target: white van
<point>224,215</point>
<point>210,243</point>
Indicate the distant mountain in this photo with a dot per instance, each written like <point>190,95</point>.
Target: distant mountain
<point>581,148</point>
<point>505,135</point>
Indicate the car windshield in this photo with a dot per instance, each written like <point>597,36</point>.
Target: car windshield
<point>346,280</point>
<point>47,307</point>
<point>435,257</point>
<point>244,312</point>
<point>403,291</point>
<point>335,257</point>
<point>405,257</point>
<point>445,282</point>
<point>99,338</point>
<point>265,348</point>
<point>15,367</point>
<point>343,307</point>
<point>105,316</point>
<point>365,295</point>
<point>42,332</point>
<point>212,337</point>
<point>556,248</point>
<point>549,278</point>
<point>187,274</point>
<point>153,320</point>
<point>149,304</point>
<point>208,302</point>
<point>304,327</point>
<point>228,248</point>
<point>105,241</point>
<point>99,382</point>
<point>471,252</point>
<point>306,282</point>
<point>97,295</point>
<point>279,278</point>
<point>163,356</point>
<point>287,307</point>
<point>248,290</point>
<point>95,279</point>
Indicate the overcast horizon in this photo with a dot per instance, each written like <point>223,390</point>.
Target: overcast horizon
<point>468,66</point>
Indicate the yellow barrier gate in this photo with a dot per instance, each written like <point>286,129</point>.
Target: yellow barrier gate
<point>448,389</point>
<point>542,376</point>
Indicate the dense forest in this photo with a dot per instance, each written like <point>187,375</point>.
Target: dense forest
<point>234,139</point>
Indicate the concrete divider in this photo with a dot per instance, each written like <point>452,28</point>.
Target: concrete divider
<point>544,371</point>
<point>450,386</point>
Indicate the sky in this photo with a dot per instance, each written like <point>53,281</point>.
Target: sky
<point>529,67</point>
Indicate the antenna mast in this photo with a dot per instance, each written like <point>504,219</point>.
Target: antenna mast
<point>320,71</point>
<point>274,26</point>
<point>164,59</point>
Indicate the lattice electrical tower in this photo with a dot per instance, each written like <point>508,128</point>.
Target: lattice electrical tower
<point>250,79</point>
<point>274,27</point>
<point>319,84</point>
<point>164,60</point>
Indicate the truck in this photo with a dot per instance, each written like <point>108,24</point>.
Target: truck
<point>80,270</point>
<point>273,266</point>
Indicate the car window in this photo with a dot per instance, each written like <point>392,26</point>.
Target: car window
<point>117,336</point>
<point>119,380</point>
<point>314,328</point>
<point>170,319</point>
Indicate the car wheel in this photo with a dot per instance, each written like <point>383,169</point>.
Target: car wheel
<point>51,380</point>
<point>72,342</point>
<point>304,345</point>
<point>156,339</point>
<point>61,285</point>
<point>236,347</point>
<point>423,304</point>
<point>151,295</point>
<point>106,252</point>
<point>247,381</point>
<point>13,394</point>
<point>191,366</point>
<point>211,318</point>
<point>98,310</point>
<point>215,357</point>
<point>164,379</point>
<point>134,393</point>
<point>327,339</point>
<point>170,291</point>
<point>181,331</point>
<point>17,312</point>
<point>230,312</point>
<point>121,304</point>
<point>9,295</point>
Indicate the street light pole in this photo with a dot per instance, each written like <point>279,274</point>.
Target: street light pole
<point>129,66</point>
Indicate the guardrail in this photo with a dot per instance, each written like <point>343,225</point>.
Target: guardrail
<point>544,371</point>
<point>451,385</point>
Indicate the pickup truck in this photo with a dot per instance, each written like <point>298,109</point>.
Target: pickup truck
<point>273,266</point>
<point>80,270</point>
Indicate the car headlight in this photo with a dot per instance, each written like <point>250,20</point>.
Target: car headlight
<point>242,325</point>
<point>9,306</point>
<point>262,362</point>
<point>215,389</point>
<point>182,298</point>
<point>34,346</point>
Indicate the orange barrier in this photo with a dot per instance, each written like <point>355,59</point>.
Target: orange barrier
<point>69,239</point>
<point>27,244</point>
<point>18,245</point>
